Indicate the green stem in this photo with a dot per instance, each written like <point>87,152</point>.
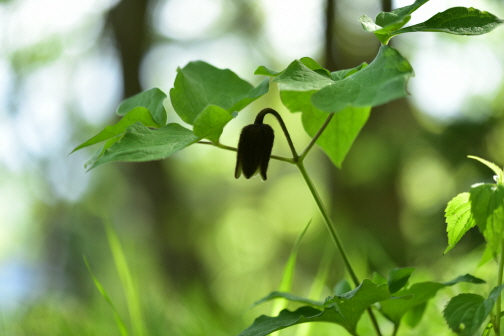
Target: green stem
<point>334,235</point>
<point>328,222</point>
<point>498,307</point>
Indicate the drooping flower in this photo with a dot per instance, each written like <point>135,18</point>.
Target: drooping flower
<point>254,150</point>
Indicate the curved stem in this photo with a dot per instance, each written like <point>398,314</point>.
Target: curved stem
<point>334,235</point>
<point>328,223</point>
<point>259,120</point>
<point>315,138</point>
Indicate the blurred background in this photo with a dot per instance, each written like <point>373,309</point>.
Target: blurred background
<point>201,247</point>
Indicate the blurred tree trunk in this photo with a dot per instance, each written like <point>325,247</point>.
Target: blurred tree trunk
<point>379,199</point>
<point>129,22</point>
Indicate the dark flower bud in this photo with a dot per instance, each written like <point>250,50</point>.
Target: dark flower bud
<point>254,150</point>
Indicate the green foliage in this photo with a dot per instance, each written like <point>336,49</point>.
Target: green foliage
<point>415,297</point>
<point>151,99</point>
<point>206,96</point>
<point>456,20</point>
<point>465,313</point>
<point>459,218</point>
<point>483,205</point>
<point>334,107</point>
<point>345,310</point>
<point>139,143</point>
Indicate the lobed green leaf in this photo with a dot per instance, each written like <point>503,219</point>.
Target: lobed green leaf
<point>382,81</point>
<point>151,99</point>
<point>200,85</point>
<point>345,310</point>
<point>419,293</point>
<point>465,313</point>
<point>140,143</point>
<point>137,114</point>
<point>298,82</point>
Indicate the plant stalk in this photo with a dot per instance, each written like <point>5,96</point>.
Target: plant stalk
<point>334,235</point>
<point>498,307</point>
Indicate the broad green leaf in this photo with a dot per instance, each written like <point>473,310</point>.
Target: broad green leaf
<point>265,325</point>
<point>345,310</point>
<point>342,74</point>
<point>422,292</point>
<point>496,169</point>
<point>298,83</point>
<point>341,132</point>
<point>137,114</point>
<point>289,297</point>
<point>487,208</point>
<point>99,153</point>
<point>151,99</point>
<point>307,61</point>
<point>299,77</point>
<point>465,313</point>
<point>200,84</point>
<point>388,22</point>
<point>382,81</point>
<point>459,219</point>
<point>140,143</point>
<point>351,305</point>
<point>398,277</point>
<point>210,122</point>
<point>458,21</point>
<point>386,19</point>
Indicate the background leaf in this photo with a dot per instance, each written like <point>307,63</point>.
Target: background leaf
<point>496,169</point>
<point>151,99</point>
<point>137,114</point>
<point>459,219</point>
<point>487,208</point>
<point>465,313</point>
<point>422,292</point>
<point>398,277</point>
<point>199,85</point>
<point>458,21</point>
<point>382,81</point>
<point>143,144</point>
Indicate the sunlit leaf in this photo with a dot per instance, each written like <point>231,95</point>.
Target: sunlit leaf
<point>210,123</point>
<point>487,208</point>
<point>140,143</point>
<point>199,85</point>
<point>137,114</point>
<point>465,313</point>
<point>381,81</point>
<point>151,99</point>
<point>458,21</point>
<point>459,219</point>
